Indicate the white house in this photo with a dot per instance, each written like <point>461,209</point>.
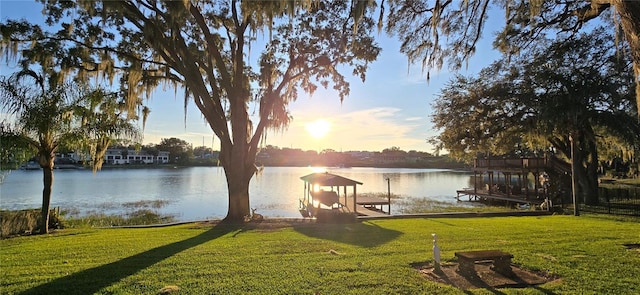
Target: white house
<point>127,156</point>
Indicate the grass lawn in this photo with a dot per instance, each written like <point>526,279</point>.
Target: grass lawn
<point>371,257</point>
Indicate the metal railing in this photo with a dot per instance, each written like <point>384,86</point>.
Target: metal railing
<point>616,201</point>
<point>521,163</point>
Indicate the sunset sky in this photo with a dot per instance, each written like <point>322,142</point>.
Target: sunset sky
<point>391,108</point>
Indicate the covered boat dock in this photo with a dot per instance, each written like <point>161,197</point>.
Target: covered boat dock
<point>326,191</point>
<point>507,189</point>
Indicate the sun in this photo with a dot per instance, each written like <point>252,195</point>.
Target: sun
<point>318,128</point>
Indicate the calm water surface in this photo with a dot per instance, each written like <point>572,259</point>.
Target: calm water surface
<point>201,193</point>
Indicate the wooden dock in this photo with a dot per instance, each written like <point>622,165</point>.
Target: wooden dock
<point>480,195</point>
<point>365,206</point>
<point>368,206</point>
<point>328,192</point>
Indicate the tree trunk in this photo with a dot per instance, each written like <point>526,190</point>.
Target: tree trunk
<point>46,199</point>
<point>591,195</point>
<point>629,12</point>
<point>585,167</point>
<point>578,172</point>
<point>46,163</point>
<point>238,179</point>
<point>239,168</point>
<point>238,161</point>
<point>238,187</point>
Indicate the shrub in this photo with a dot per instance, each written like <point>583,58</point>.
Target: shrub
<point>138,217</point>
<point>146,217</point>
<point>22,222</point>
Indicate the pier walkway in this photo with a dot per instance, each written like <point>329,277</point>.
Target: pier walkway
<point>369,206</point>
<point>480,195</point>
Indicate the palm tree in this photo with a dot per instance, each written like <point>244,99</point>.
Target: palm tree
<point>44,116</point>
<point>104,119</point>
<point>50,115</point>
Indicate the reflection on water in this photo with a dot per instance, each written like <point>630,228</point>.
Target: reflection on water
<point>201,192</point>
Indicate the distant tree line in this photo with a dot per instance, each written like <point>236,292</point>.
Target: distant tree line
<point>184,154</point>
<point>389,157</point>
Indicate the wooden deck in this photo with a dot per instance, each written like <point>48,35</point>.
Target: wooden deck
<point>365,206</point>
<point>479,195</point>
<point>368,206</point>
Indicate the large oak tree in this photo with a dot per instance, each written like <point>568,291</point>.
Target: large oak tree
<point>577,88</point>
<point>439,31</point>
<point>206,47</point>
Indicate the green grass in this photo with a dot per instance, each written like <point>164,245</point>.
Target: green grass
<point>372,257</point>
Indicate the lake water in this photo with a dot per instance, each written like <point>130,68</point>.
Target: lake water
<point>199,193</point>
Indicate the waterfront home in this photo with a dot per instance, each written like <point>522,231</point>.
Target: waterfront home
<point>117,156</point>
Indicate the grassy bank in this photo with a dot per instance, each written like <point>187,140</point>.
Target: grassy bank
<point>20,222</point>
<point>374,257</point>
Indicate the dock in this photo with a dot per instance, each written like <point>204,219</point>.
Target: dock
<point>326,192</point>
<point>524,180</point>
<point>480,195</point>
<point>369,206</point>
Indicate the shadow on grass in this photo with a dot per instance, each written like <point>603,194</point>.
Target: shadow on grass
<point>363,234</point>
<point>478,282</point>
<point>92,280</point>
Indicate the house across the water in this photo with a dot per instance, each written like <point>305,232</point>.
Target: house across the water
<point>128,156</point>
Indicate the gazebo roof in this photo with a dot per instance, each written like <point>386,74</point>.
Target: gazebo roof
<point>328,179</point>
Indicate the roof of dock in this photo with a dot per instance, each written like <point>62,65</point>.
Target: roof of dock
<point>328,179</point>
